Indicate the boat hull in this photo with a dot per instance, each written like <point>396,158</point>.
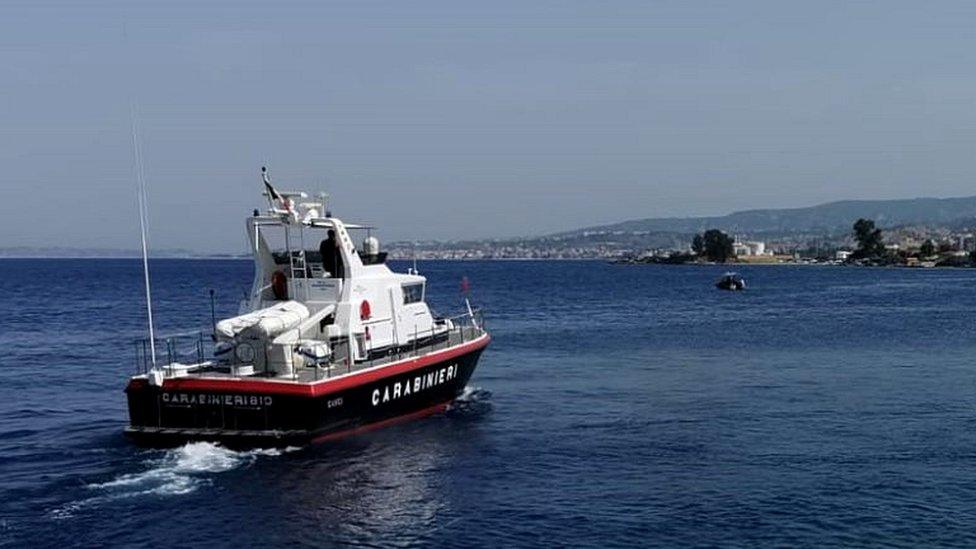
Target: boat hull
<point>260,413</point>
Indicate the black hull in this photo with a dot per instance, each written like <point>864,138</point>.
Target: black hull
<point>731,285</point>
<point>262,413</point>
<point>729,288</point>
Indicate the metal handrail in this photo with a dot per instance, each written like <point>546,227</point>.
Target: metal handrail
<point>182,347</point>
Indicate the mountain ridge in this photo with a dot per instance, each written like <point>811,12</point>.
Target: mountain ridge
<point>827,224</point>
<point>828,217</point>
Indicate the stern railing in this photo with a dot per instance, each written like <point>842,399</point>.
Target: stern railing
<point>188,348</point>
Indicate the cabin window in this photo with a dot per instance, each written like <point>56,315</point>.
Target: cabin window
<point>413,293</point>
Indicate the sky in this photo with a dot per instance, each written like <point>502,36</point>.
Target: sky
<point>457,119</point>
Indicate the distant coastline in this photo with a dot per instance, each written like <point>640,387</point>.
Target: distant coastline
<point>808,232</point>
<point>108,257</point>
<point>25,252</point>
<point>815,232</point>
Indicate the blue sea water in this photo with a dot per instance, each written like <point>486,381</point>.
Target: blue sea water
<point>616,406</point>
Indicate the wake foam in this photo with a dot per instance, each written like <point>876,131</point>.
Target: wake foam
<point>176,472</point>
<point>472,401</point>
<point>473,394</point>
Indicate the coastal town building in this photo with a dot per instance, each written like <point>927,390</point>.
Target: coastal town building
<point>750,249</point>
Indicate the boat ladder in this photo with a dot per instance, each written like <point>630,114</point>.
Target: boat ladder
<point>297,264</point>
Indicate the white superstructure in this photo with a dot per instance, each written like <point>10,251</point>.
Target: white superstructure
<point>298,310</point>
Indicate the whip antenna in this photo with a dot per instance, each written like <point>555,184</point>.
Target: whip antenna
<point>143,223</point>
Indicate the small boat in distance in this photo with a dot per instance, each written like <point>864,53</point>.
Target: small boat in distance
<point>731,282</point>
<point>329,342</point>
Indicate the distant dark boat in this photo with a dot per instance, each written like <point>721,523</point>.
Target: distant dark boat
<point>731,282</point>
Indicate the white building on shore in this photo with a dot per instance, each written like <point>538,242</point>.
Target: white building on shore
<point>753,248</point>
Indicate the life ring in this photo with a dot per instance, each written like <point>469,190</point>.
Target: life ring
<point>364,310</point>
<point>279,285</point>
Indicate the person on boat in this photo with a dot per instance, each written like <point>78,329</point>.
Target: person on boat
<point>331,256</point>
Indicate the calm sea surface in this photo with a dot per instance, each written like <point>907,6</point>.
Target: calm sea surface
<point>617,406</point>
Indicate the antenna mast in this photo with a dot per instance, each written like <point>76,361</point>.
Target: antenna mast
<point>143,222</point>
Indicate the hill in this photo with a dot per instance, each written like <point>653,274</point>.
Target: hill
<point>829,218</point>
<point>792,228</point>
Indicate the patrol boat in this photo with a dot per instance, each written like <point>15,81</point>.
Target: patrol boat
<point>329,342</point>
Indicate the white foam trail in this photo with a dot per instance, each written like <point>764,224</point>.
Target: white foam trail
<point>176,472</point>
<point>467,394</point>
<point>472,394</point>
<point>472,400</point>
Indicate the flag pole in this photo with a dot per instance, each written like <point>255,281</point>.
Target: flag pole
<point>465,291</point>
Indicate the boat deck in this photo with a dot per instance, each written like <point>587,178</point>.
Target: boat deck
<point>178,349</point>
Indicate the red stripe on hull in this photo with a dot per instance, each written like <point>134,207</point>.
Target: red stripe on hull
<point>381,424</point>
<point>318,388</point>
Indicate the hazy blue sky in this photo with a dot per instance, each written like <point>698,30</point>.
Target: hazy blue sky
<point>467,119</point>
